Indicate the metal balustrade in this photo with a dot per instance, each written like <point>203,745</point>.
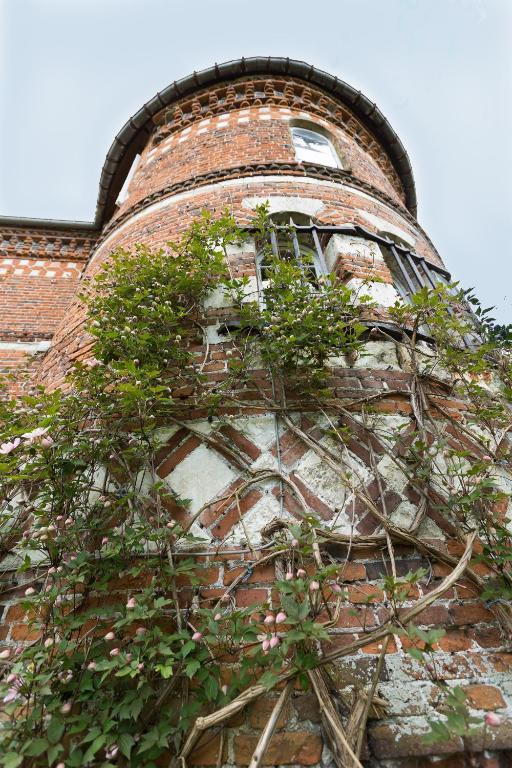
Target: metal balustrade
<point>303,244</point>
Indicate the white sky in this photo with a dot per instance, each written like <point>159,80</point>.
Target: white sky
<point>73,71</point>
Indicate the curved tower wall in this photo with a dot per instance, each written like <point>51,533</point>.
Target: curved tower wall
<point>244,155</point>
<point>230,145</point>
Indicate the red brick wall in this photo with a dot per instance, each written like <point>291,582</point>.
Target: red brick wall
<point>39,273</point>
<point>474,651</point>
<point>257,135</point>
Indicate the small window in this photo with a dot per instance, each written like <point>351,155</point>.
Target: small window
<point>123,192</point>
<point>293,238</point>
<point>313,147</point>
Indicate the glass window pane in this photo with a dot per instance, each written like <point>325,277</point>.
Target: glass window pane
<point>312,147</point>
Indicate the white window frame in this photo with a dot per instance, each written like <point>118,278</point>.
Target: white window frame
<point>335,161</point>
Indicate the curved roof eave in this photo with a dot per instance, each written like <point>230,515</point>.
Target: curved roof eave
<point>133,135</point>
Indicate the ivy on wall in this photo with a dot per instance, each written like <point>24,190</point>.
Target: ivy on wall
<point>127,676</point>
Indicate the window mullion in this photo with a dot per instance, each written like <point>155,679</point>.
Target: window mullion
<point>428,272</point>
<point>296,248</point>
<point>273,243</point>
<point>417,273</point>
<point>403,270</point>
<point>319,252</point>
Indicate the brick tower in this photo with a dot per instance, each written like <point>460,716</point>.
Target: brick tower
<point>322,155</point>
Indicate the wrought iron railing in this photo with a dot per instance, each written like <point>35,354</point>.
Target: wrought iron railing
<point>306,245</point>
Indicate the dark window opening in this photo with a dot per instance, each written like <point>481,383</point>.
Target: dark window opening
<point>294,237</point>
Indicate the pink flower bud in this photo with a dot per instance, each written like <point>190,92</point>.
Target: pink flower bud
<point>110,636</point>
<point>289,576</point>
<point>111,752</point>
<point>68,521</point>
<point>66,708</point>
<point>140,666</point>
<point>104,541</point>
<point>141,631</point>
<point>301,573</point>
<point>336,588</point>
<point>314,586</point>
<point>294,543</point>
<point>217,617</point>
<point>129,657</point>
<point>265,645</point>
<point>10,678</point>
<point>269,620</point>
<point>491,718</point>
<point>224,689</point>
<point>52,570</point>
<point>281,617</point>
<point>48,642</point>
<point>91,665</point>
<point>12,694</point>
<point>274,641</point>
<point>197,636</point>
<point>60,765</point>
<point>132,603</point>
<point>30,591</point>
<point>5,654</point>
<point>115,652</point>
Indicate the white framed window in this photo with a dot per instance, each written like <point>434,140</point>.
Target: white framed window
<point>123,192</point>
<point>313,147</point>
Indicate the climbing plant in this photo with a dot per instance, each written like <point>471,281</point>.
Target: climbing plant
<point>122,663</point>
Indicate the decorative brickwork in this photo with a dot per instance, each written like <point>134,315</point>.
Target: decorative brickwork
<point>39,273</point>
<point>273,96</point>
<point>230,146</point>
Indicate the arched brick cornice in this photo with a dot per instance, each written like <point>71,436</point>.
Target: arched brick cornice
<point>135,133</point>
<point>299,170</point>
<point>281,92</point>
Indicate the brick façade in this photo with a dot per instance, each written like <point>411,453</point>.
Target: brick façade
<point>230,146</point>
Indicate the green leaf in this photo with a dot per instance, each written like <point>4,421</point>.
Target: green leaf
<point>187,648</point>
<point>54,752</point>
<point>211,688</point>
<point>416,654</point>
<point>55,730</point>
<point>192,667</point>
<point>97,744</point>
<point>268,679</point>
<point>11,760</point>
<point>36,747</point>
<point>125,742</point>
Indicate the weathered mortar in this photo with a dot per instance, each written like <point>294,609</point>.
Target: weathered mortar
<point>240,158</point>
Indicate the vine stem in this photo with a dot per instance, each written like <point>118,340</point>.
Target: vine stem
<point>254,692</point>
<point>267,732</point>
<point>343,752</point>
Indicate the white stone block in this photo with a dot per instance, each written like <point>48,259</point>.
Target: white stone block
<point>378,354</point>
<point>200,477</point>
<point>353,246</point>
<point>385,226</point>
<point>384,294</point>
<point>282,203</point>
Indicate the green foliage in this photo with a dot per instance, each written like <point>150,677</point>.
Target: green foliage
<point>299,322</point>
<point>456,719</point>
<point>119,673</point>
